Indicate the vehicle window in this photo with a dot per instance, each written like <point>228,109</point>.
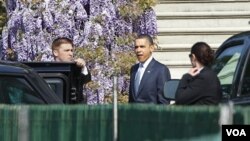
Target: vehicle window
<point>225,65</point>
<point>246,80</point>
<point>16,90</point>
<point>56,84</point>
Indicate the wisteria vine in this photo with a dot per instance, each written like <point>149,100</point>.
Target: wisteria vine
<point>102,31</point>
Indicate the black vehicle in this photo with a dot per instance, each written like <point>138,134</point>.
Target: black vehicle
<point>40,83</point>
<point>232,65</point>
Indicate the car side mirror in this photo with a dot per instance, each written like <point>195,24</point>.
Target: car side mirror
<point>170,88</point>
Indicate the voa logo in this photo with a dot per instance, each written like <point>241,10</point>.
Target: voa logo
<point>236,132</point>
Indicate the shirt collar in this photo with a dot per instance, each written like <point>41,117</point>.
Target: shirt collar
<point>145,64</point>
<point>199,70</point>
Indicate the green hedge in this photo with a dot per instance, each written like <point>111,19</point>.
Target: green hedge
<point>136,122</point>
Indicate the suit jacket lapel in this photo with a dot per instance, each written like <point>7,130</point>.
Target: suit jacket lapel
<point>146,75</point>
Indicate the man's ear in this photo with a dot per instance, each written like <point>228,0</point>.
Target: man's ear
<point>152,48</point>
<point>194,57</point>
<point>55,53</point>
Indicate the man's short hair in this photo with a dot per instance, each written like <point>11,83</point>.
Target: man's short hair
<point>147,37</point>
<point>61,40</point>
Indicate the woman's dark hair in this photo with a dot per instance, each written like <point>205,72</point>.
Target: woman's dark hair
<point>203,53</point>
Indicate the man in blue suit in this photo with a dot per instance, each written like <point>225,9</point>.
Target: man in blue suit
<point>147,77</point>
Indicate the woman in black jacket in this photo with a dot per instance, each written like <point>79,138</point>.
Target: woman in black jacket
<point>200,86</point>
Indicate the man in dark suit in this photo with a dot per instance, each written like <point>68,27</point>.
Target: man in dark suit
<point>147,78</point>
<point>62,49</point>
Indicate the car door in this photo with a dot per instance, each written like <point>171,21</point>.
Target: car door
<point>243,94</point>
<point>17,90</point>
<point>230,65</point>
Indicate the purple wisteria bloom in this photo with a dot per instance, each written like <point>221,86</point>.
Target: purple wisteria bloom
<point>146,23</point>
<point>95,25</point>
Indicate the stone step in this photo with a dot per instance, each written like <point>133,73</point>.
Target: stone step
<point>192,35</point>
<point>180,47</point>
<point>176,68</point>
<point>176,73</point>
<point>203,15</point>
<point>175,64</point>
<point>171,58</point>
<point>197,1</point>
<point>203,31</point>
<point>202,6</point>
<point>203,23</point>
<point>181,23</point>
<point>191,39</point>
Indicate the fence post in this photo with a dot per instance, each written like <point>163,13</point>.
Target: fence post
<point>23,124</point>
<point>226,113</point>
<point>115,111</point>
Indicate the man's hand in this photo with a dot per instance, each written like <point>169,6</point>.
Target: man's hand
<point>80,62</point>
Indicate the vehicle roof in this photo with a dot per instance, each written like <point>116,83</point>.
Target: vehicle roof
<point>25,67</point>
<point>234,40</point>
<point>8,67</point>
<point>13,67</point>
<point>52,66</point>
<point>239,35</point>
